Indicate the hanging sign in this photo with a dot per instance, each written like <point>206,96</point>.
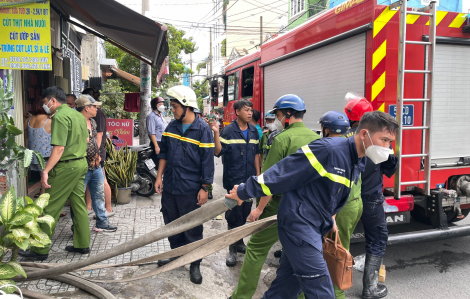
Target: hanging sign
<point>123,129</point>
<point>25,37</point>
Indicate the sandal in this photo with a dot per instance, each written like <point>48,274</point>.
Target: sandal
<point>37,195</point>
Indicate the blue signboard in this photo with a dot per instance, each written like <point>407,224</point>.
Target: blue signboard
<point>408,114</point>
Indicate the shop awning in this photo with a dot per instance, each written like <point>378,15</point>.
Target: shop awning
<point>112,21</point>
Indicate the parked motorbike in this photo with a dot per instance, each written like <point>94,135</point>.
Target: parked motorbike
<point>146,172</point>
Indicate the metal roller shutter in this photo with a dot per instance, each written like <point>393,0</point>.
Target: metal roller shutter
<point>322,77</point>
<point>451,104</point>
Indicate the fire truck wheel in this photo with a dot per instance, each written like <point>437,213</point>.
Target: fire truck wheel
<point>419,215</point>
<point>464,214</point>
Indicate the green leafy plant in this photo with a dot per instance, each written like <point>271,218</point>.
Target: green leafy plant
<point>11,154</point>
<point>120,165</point>
<point>21,229</point>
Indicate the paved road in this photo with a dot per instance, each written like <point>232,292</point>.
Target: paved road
<point>426,270</point>
<point>435,269</point>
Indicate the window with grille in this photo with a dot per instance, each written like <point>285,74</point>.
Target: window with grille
<point>296,7</point>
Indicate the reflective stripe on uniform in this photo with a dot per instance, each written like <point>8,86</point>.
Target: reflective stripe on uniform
<point>321,171</point>
<point>237,141</point>
<point>263,186</point>
<point>232,141</point>
<point>189,140</point>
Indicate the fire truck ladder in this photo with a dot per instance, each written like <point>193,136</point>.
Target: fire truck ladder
<point>430,11</point>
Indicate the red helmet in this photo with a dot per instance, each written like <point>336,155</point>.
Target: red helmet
<point>160,99</point>
<point>356,106</point>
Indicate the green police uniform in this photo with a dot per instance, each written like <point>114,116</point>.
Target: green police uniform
<point>285,143</point>
<point>346,220</point>
<point>69,129</point>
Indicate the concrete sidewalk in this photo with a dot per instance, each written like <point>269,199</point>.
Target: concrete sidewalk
<point>141,216</point>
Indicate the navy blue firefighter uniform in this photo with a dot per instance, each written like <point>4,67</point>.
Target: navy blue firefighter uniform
<point>315,183</point>
<point>239,164</point>
<point>189,164</point>
<point>373,215</point>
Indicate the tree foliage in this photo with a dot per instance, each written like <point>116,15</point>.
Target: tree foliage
<point>200,66</point>
<point>223,48</point>
<point>177,44</point>
<point>113,104</point>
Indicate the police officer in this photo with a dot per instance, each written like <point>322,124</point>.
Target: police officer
<point>187,162</point>
<point>288,141</point>
<point>239,146</point>
<point>336,124</point>
<point>373,215</point>
<point>64,174</point>
<point>315,183</point>
<point>268,136</point>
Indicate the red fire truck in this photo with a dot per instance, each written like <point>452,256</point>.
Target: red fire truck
<point>411,63</point>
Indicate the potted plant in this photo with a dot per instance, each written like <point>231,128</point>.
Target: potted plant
<point>120,168</point>
<point>18,220</point>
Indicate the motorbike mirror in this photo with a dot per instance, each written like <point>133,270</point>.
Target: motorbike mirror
<point>115,137</point>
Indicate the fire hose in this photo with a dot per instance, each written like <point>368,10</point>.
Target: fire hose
<point>187,253</point>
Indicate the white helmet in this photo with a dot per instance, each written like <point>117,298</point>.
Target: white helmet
<point>184,95</point>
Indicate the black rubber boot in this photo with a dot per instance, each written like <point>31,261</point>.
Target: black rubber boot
<point>278,254</point>
<point>195,274</point>
<point>371,287</point>
<point>241,247</point>
<point>166,261</point>
<point>231,260</point>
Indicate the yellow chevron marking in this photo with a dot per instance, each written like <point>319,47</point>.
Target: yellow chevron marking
<point>378,86</point>
<point>411,19</point>
<point>383,19</point>
<point>458,21</point>
<point>382,107</point>
<point>439,16</point>
<point>379,54</point>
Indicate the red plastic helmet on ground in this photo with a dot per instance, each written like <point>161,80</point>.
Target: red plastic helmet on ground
<point>356,106</point>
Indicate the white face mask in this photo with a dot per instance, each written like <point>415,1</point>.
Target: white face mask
<point>46,108</point>
<point>321,134</point>
<point>271,127</point>
<point>161,108</point>
<point>278,124</point>
<point>377,154</point>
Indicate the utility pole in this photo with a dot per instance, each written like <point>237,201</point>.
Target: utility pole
<point>191,76</point>
<point>145,91</point>
<point>210,54</point>
<point>260,31</point>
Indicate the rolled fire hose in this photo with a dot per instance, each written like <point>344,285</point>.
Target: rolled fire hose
<point>184,223</point>
<point>188,253</point>
<point>81,283</point>
<point>229,236</point>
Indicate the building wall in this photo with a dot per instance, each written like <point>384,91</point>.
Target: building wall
<point>311,8</point>
<point>93,52</point>
<point>243,21</point>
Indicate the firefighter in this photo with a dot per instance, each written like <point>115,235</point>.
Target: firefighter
<point>187,162</point>
<point>238,145</point>
<point>336,124</point>
<point>288,141</point>
<point>315,183</point>
<point>373,214</point>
